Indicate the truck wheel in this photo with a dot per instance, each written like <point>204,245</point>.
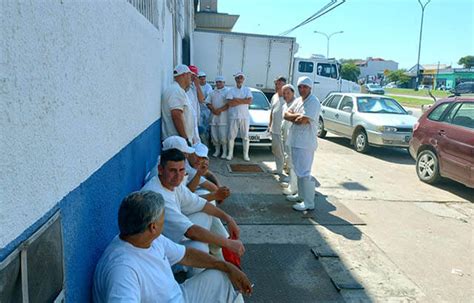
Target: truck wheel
<point>361,142</point>
<point>321,131</point>
<point>427,166</point>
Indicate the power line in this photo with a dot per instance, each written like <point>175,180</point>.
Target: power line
<point>321,12</point>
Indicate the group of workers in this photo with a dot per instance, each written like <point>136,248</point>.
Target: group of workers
<point>174,223</point>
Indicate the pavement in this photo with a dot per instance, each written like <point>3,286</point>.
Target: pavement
<point>412,242</point>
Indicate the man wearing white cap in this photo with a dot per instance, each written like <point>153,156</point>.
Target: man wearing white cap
<point>239,98</point>
<point>176,110</point>
<point>218,105</point>
<point>188,217</point>
<point>196,97</point>
<point>276,117</point>
<point>304,115</point>
<point>205,116</point>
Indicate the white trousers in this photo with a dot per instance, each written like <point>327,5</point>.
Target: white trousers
<point>277,150</point>
<point>287,153</point>
<point>219,134</point>
<point>302,159</point>
<point>237,126</point>
<point>209,285</point>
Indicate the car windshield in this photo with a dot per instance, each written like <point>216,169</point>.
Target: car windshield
<point>259,101</point>
<point>379,105</point>
<point>374,86</point>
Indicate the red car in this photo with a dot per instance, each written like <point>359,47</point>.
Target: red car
<point>443,141</point>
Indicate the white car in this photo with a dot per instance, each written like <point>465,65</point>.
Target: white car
<point>259,120</point>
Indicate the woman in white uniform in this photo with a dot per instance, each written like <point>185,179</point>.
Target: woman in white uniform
<point>304,115</point>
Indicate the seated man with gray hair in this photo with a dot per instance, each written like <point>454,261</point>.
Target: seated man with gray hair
<point>136,265</point>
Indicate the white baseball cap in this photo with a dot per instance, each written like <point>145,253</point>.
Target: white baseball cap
<point>201,74</point>
<point>305,81</point>
<point>201,150</point>
<point>220,78</point>
<point>181,69</point>
<point>178,143</point>
<point>239,74</point>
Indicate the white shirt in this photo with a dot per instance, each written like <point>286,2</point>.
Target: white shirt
<point>191,171</point>
<point>179,204</point>
<point>206,89</point>
<point>285,125</point>
<point>240,111</point>
<point>175,97</point>
<point>218,99</point>
<point>277,113</point>
<point>126,273</point>
<point>192,95</point>
<point>305,135</point>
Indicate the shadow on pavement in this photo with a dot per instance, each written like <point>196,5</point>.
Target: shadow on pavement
<point>392,155</point>
<point>456,188</point>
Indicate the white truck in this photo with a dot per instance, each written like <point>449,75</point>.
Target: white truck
<point>263,58</point>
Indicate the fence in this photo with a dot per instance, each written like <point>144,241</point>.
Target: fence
<point>148,8</point>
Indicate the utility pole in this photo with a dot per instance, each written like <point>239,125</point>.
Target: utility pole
<point>328,37</point>
<point>419,43</point>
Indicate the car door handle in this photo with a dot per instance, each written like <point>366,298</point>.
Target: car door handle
<point>442,132</point>
<point>336,115</point>
<point>316,82</point>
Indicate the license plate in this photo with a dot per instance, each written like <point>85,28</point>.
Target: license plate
<point>254,138</point>
<point>407,139</point>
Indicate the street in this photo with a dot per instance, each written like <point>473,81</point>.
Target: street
<point>416,244</point>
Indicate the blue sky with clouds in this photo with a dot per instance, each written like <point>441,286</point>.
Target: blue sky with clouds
<point>372,28</point>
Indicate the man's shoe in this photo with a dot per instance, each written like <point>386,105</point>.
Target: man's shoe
<point>294,198</point>
<point>301,207</point>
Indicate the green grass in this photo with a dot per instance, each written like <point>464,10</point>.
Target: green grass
<point>421,92</point>
<point>411,102</point>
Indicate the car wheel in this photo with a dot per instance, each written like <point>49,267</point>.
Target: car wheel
<point>321,131</point>
<point>361,142</point>
<point>427,166</point>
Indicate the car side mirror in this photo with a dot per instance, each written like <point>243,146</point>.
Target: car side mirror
<point>347,109</point>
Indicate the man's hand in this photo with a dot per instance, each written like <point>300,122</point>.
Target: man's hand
<point>234,229</point>
<point>239,279</point>
<point>222,193</point>
<point>236,246</point>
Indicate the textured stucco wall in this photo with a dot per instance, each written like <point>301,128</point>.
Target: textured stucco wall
<point>375,67</point>
<point>79,80</point>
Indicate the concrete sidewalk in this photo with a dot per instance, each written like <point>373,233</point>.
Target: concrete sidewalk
<point>371,248</point>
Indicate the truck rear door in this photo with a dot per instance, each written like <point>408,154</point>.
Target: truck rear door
<point>325,79</point>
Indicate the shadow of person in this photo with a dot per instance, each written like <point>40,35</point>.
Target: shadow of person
<point>335,217</point>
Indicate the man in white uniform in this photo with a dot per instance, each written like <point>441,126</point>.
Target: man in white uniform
<point>205,116</point>
<point>276,117</point>
<point>136,265</point>
<point>239,98</point>
<point>176,110</point>
<point>188,217</point>
<point>196,97</point>
<point>304,115</point>
<point>288,92</point>
<point>218,105</point>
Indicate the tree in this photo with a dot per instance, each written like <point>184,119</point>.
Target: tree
<point>350,71</point>
<point>467,61</point>
<point>398,76</point>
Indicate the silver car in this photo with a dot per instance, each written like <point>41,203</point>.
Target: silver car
<point>366,120</point>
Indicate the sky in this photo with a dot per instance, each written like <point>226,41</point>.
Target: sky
<point>388,29</point>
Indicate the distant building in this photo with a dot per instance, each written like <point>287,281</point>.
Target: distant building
<point>428,73</point>
<point>373,69</point>
<point>207,18</point>
<point>451,77</point>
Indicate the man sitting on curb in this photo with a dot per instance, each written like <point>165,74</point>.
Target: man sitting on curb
<point>188,217</point>
<point>136,266</point>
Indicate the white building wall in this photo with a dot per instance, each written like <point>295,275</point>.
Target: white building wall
<point>377,67</point>
<point>78,81</point>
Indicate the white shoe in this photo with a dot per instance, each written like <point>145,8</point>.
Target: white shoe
<point>224,151</point>
<point>216,154</point>
<point>294,198</point>
<point>289,191</point>
<point>301,207</point>
<point>246,145</point>
<point>230,155</point>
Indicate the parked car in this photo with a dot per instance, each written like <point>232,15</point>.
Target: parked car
<point>373,88</point>
<point>391,85</point>
<point>424,86</point>
<point>443,141</point>
<point>463,88</point>
<point>366,120</point>
<point>259,120</point>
